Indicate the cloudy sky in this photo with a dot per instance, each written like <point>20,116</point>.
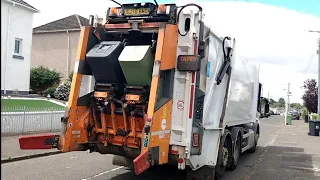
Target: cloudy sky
<point>269,32</point>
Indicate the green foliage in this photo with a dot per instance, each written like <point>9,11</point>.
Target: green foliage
<point>296,106</point>
<point>273,103</point>
<point>314,116</point>
<point>70,77</point>
<point>50,91</point>
<point>310,95</point>
<point>41,78</point>
<point>304,112</point>
<point>281,103</point>
<point>63,90</point>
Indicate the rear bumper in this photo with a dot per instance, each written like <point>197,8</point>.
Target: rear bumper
<point>39,142</point>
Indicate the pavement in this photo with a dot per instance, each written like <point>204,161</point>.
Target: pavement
<point>292,154</point>
<point>10,150</point>
<point>284,152</point>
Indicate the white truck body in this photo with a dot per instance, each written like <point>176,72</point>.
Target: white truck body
<point>242,101</point>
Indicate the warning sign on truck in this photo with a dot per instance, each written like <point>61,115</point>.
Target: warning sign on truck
<point>180,105</point>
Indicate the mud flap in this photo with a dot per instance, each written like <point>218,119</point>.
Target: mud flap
<point>142,162</point>
<point>47,141</point>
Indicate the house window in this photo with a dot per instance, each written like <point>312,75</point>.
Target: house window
<point>18,49</point>
<point>18,46</point>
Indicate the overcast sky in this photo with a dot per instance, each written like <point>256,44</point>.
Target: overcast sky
<point>273,36</point>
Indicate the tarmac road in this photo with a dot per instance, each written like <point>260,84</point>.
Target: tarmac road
<point>85,166</point>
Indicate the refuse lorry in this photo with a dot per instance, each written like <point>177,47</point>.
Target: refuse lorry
<point>154,85</point>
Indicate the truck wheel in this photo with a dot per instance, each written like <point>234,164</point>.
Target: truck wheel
<point>122,161</point>
<point>223,154</point>
<point>234,155</point>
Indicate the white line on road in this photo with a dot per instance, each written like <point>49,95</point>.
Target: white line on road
<point>102,173</point>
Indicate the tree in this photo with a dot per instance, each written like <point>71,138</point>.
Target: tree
<point>296,106</point>
<point>41,78</point>
<point>273,103</point>
<point>281,103</point>
<point>310,95</point>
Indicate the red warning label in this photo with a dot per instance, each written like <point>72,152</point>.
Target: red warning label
<point>180,105</point>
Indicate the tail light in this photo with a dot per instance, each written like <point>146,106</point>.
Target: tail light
<point>162,9</point>
<point>114,12</point>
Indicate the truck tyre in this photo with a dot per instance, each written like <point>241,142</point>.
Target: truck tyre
<point>223,154</point>
<point>256,137</point>
<point>122,161</point>
<point>234,155</point>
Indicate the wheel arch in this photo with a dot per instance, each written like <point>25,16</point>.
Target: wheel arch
<point>235,133</point>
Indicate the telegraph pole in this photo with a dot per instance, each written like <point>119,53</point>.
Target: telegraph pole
<point>287,105</point>
<point>318,52</point>
<point>318,75</point>
<point>288,98</point>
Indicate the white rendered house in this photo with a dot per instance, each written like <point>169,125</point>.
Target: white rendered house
<point>16,42</point>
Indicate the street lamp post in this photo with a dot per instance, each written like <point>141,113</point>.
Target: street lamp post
<point>287,104</point>
<point>318,51</point>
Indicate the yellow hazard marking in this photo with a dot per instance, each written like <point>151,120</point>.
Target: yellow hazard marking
<point>164,112</point>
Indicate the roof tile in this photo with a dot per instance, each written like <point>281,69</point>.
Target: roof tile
<point>67,23</point>
<point>24,3</point>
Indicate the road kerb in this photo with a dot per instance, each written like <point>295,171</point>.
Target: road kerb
<point>19,158</point>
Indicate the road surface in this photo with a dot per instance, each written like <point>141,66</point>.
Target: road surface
<point>86,166</point>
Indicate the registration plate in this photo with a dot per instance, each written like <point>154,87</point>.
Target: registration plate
<point>140,11</point>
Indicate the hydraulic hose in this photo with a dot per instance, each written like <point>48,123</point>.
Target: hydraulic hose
<point>226,64</point>
<point>226,56</point>
<point>182,7</point>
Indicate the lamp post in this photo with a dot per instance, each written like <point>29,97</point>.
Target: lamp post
<point>318,51</point>
<point>287,104</point>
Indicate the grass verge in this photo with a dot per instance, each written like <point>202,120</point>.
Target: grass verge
<point>19,105</point>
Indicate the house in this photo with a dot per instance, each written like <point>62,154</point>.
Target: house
<point>55,44</point>
<point>16,42</point>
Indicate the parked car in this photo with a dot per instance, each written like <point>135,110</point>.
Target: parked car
<point>295,115</point>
